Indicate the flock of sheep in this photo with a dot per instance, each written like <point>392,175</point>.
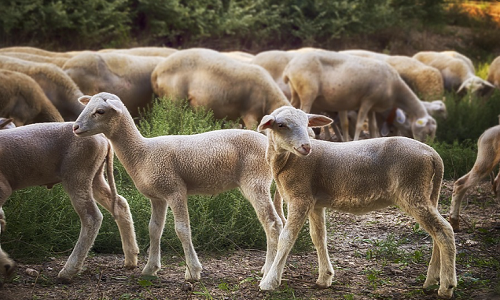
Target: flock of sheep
<point>280,93</point>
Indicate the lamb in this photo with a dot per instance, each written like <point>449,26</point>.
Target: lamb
<point>23,100</point>
<point>494,72</point>
<point>488,157</point>
<point>128,76</point>
<point>167,169</point>
<point>458,76</point>
<point>274,62</point>
<point>58,61</point>
<point>7,123</point>
<point>143,51</point>
<point>37,51</point>
<point>239,55</point>
<point>207,78</point>
<point>333,82</point>
<point>355,177</point>
<point>424,80</point>
<point>45,154</point>
<point>57,85</point>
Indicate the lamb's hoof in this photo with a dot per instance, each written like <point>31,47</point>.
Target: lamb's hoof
<point>455,224</point>
<point>192,276</point>
<point>150,271</point>
<point>322,285</point>
<point>268,285</point>
<point>446,293</point>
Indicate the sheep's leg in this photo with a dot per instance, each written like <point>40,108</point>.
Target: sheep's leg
<point>278,205</point>
<point>442,264</point>
<point>317,228</point>
<point>120,210</point>
<point>297,213</point>
<point>344,125</point>
<point>90,218</point>
<point>7,265</point>
<point>362,115</point>
<point>156,225</point>
<point>259,197</point>
<point>372,125</point>
<point>183,231</point>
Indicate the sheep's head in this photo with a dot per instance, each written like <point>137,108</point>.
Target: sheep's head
<point>99,114</point>
<point>424,129</point>
<point>475,85</point>
<point>288,129</point>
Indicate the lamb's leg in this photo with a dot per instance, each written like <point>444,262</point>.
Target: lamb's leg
<point>7,265</point>
<point>183,231</point>
<point>344,125</point>
<point>442,265</point>
<point>362,115</point>
<point>297,213</point>
<point>122,216</point>
<point>278,205</point>
<point>90,218</point>
<point>317,228</point>
<point>259,196</point>
<point>156,224</point>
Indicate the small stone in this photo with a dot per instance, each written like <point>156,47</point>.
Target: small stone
<point>187,286</point>
<point>32,272</point>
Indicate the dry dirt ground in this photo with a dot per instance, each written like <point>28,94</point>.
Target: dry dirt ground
<point>381,255</point>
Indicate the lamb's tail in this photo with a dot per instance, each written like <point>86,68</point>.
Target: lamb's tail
<point>437,178</point>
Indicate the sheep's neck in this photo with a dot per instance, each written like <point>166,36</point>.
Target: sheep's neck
<point>128,143</point>
<point>276,160</point>
<point>410,103</point>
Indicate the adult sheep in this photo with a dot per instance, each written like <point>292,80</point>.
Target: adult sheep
<point>230,88</point>
<point>37,51</point>
<point>333,82</point>
<point>57,85</point>
<point>424,80</point>
<point>7,123</point>
<point>128,76</point>
<point>23,100</point>
<point>274,62</point>
<point>167,169</point>
<point>488,157</point>
<point>458,76</point>
<point>45,154</point>
<point>142,51</point>
<point>494,72</point>
<point>356,177</point>
<point>58,61</point>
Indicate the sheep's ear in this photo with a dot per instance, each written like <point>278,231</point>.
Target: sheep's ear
<point>5,122</point>
<point>84,99</point>
<point>400,116</point>
<point>421,122</point>
<point>115,104</point>
<point>266,122</point>
<point>318,120</point>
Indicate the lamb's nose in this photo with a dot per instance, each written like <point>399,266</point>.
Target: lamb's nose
<point>75,127</point>
<point>307,148</point>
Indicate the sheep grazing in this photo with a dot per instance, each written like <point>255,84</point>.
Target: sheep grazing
<point>143,51</point>
<point>494,72</point>
<point>424,80</point>
<point>488,157</point>
<point>57,85</point>
<point>239,55</point>
<point>128,76</point>
<point>48,153</point>
<point>7,123</point>
<point>355,177</point>
<point>333,82</point>
<point>458,76</point>
<point>23,100</point>
<point>37,51</point>
<point>167,169</point>
<point>230,88</point>
<point>274,62</point>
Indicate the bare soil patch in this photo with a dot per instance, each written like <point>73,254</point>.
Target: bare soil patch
<point>381,255</point>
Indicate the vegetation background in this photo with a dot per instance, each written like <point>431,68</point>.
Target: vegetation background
<point>44,221</point>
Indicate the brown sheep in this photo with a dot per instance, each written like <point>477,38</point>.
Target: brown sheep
<point>23,100</point>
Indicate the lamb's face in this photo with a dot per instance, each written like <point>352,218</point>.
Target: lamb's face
<point>96,117</point>
<point>424,129</point>
<point>289,129</point>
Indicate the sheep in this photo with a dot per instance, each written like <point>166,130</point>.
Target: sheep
<point>239,55</point>
<point>37,51</point>
<point>45,154</point>
<point>142,51</point>
<point>230,88</point>
<point>128,76</point>
<point>274,62</point>
<point>334,82</point>
<point>458,76</point>
<point>23,100</point>
<point>167,169</point>
<point>462,57</point>
<point>355,177</point>
<point>58,61</point>
<point>7,123</point>
<point>57,85</point>
<point>494,72</point>
<point>488,157</point>
<point>424,80</point>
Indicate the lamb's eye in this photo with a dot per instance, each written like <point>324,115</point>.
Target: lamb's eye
<point>281,125</point>
<point>100,111</point>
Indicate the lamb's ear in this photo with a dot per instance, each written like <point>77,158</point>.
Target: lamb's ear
<point>421,122</point>
<point>318,120</point>
<point>115,104</point>
<point>400,116</point>
<point>84,99</point>
<point>266,122</point>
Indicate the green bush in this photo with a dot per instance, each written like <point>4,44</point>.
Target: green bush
<point>42,222</point>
